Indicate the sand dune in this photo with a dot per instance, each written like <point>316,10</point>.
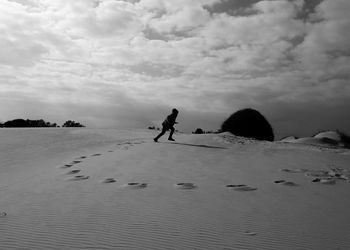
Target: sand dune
<point>331,139</point>
<point>200,192</point>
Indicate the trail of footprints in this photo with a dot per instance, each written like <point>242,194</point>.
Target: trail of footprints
<point>136,185</point>
<point>123,145</point>
<point>329,177</point>
<point>321,176</point>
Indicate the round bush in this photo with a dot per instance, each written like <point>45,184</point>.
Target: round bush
<point>199,131</point>
<point>248,123</point>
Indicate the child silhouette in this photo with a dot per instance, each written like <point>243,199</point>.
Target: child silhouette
<point>167,124</point>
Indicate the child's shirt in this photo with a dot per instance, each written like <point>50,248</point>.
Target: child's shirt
<point>170,120</point>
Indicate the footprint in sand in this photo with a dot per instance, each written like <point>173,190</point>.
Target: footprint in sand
<point>250,233</point>
<point>78,178</point>
<point>294,171</point>
<point>3,214</point>
<point>186,185</point>
<point>66,166</point>
<point>240,187</point>
<point>286,183</point>
<point>96,154</point>
<point>75,171</point>
<point>75,162</point>
<point>279,181</point>
<point>245,188</point>
<point>235,185</point>
<point>289,183</point>
<point>138,142</point>
<point>82,157</point>
<point>137,185</point>
<point>108,180</point>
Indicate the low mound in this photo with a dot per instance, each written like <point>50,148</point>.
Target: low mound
<point>334,137</point>
<point>249,123</point>
<point>288,139</point>
<point>331,135</point>
<point>322,142</point>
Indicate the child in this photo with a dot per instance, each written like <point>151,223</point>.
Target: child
<point>168,124</point>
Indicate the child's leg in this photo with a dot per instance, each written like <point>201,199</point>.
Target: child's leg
<point>161,134</point>
<point>172,130</point>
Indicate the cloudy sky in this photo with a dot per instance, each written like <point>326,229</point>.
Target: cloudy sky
<point>114,63</point>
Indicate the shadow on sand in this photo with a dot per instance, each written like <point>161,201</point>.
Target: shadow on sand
<point>194,145</point>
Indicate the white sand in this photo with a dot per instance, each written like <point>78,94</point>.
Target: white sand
<point>178,197</point>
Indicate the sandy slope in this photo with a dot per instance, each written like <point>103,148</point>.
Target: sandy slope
<point>47,207</point>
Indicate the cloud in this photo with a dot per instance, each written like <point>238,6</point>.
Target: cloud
<point>15,23</point>
<point>108,19</point>
<point>183,20</point>
<point>325,51</point>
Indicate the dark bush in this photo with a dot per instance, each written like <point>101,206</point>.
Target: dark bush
<point>16,123</point>
<point>21,123</point>
<point>198,131</point>
<point>345,139</point>
<point>69,124</point>
<point>248,123</point>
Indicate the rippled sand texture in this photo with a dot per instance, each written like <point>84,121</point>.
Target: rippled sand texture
<point>109,189</point>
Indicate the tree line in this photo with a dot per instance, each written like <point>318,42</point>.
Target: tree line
<point>21,123</point>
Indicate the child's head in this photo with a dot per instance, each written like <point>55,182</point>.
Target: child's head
<point>175,111</point>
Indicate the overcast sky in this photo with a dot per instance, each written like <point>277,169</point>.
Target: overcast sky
<point>109,63</point>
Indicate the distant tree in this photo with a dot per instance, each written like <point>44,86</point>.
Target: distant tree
<point>70,123</point>
<point>21,123</point>
<point>248,123</point>
<point>17,123</point>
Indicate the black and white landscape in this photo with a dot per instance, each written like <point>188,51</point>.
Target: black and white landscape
<point>256,93</point>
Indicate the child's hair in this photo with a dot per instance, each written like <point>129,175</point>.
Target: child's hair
<point>175,111</point>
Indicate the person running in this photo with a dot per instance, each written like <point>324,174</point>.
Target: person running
<point>168,123</point>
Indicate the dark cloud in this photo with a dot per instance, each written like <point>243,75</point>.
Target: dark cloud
<point>308,8</point>
<point>232,7</point>
<point>243,7</point>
